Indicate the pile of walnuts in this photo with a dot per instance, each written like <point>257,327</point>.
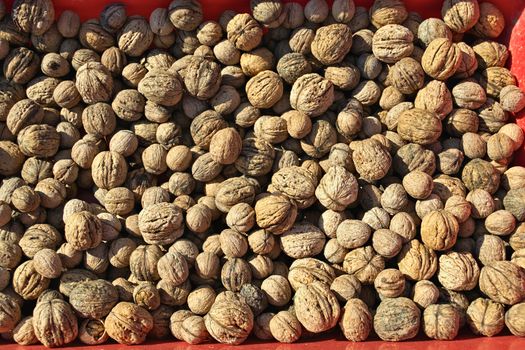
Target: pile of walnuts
<point>275,174</point>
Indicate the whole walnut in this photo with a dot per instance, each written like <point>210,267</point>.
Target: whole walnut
<point>441,321</point>
<point>419,126</point>
<point>202,78</point>
<point>135,36</point>
<point>109,170</point>
<point>490,23</point>
<point>397,319</point>
<point>416,261</point>
<point>372,161</point>
<point>10,314</point>
<point>494,79</point>
<point>460,16</point>
<point>364,263</point>
<point>458,271</point>
<point>312,94</point>
<point>302,240</point>
<point>230,319</point>
<point>285,327</point>
<point>320,140</point>
<point>503,282</point>
<point>233,191</point>
<point>439,230</point>
<point>93,299</point>
<point>34,17</point>
<point>244,32</point>
<point>162,87</point>
<point>275,213</point>
<point>425,293</point>
<point>514,319</point>
<point>332,43</point>
<point>128,323</point>
<point>485,317</point>
<point>264,89</point>
<point>392,42</point>
<point>93,35</point>
<point>94,83</point>
<point>480,174</point>
<point>83,230</point>
<point>185,14</point>
<point>55,323</point>
<point>256,157</point>
<point>513,202</point>
<point>160,223</point>
<point>316,307</point>
<point>27,282</point>
<point>356,320</point>
<point>441,59</point>
<point>337,189</point>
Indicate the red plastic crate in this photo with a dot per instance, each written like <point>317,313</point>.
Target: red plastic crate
<point>513,36</point>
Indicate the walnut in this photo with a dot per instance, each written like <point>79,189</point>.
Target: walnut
<point>353,233</point>
<point>356,320</point>
<point>302,240</point>
<point>441,59</point>
<point>386,243</point>
<point>256,157</point>
<point>513,319</point>
<point>513,202</point>
<point>94,83</point>
<point>485,317</point>
<point>419,126</point>
<point>384,12</point>
<point>392,42</point>
<point>331,43</point>
<point>441,321</point>
<point>27,282</point>
<point>23,333</point>
<point>47,263</point>
<point>160,223</point>
<point>425,293</point>
<point>337,189</point>
<point>390,283</point>
<point>316,307</point>
<point>10,314</point>
<point>83,230</point>
<point>33,17</point>
<point>433,28</point>
<point>312,94</point>
<point>307,270</point>
<point>271,129</point>
<point>502,281</point>
<point>277,290</point>
<point>458,271</point>
<point>490,54</point>
<point>55,323</point>
<point>92,332</point>
<point>230,319</point>
<point>128,323</point>
<point>480,174</point>
<point>407,76</point>
<point>93,299</point>
<point>371,160</point>
<point>244,32</point>
<point>285,327</point>
<point>135,36</point>
<point>275,213</point>
<point>201,299</point>
<point>364,263</point>
<point>397,319</point>
<point>162,87</point>
<point>234,190</point>
<point>439,230</point>
<point>468,94</point>
<point>460,16</point>
<point>416,261</point>
<point>493,79</point>
<point>185,14</point>
<point>418,185</point>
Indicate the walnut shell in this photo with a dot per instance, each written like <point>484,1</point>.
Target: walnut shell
<point>244,32</point>
<point>256,157</point>
<point>392,42</point>
<point>94,83</point>
<point>264,89</point>
<point>93,299</point>
<point>514,319</point>
<point>128,323</point>
<point>419,126</point>
<point>480,174</point>
<point>55,323</point>
<point>135,36</point>
<point>34,17</point>
<point>441,321</point>
<point>364,263</point>
<point>372,161</point>
<point>316,307</point>
<point>439,230</point>
<point>185,14</point>
<point>460,16</point>
<point>416,261</point>
<point>275,213</point>
<point>503,282</point>
<point>485,317</point>
<point>160,223</point>
<point>312,94</point>
<point>332,43</point>
<point>441,59</point>
<point>356,320</point>
<point>458,271</point>
<point>109,170</point>
<point>302,240</point>
<point>83,230</point>
<point>397,319</point>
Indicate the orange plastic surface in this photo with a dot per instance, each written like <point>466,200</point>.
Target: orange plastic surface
<point>514,36</point>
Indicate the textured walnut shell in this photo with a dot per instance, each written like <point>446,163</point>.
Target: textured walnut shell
<point>204,126</point>
<point>10,314</point>
<point>93,36</point>
<point>337,189</point>
<point>407,75</point>
<point>33,16</point>
<point>439,230</point>
<point>356,320</point>
<point>234,190</point>
<point>320,139</point>
<point>296,183</point>
<point>514,320</point>
<point>441,59</point>
<point>11,157</point>
<point>302,240</point>
<point>309,270</point>
<point>503,282</point>
<point>55,323</point>
<point>469,63</point>
<point>458,271</point>
<point>162,87</point>
<point>480,174</point>
<point>256,158</point>
<point>285,327</point>
<point>109,170</point>
<point>244,32</point>
<point>493,79</point>
<point>416,261</point>
<point>38,237</point>
<point>160,223</point>
<point>28,283</point>
<point>372,161</point>
<point>264,89</point>
<point>392,42</point>
<point>312,94</point>
<point>185,14</point>
<point>135,36</point>
<point>83,230</point>
<point>94,83</point>
<point>202,78</point>
<point>364,263</point>
<point>93,299</point>
<point>419,126</point>
<point>397,319</point>
<point>230,319</point>
<point>39,141</point>
<point>316,307</point>
<point>332,43</point>
<point>490,54</point>
<point>24,333</point>
<point>92,332</point>
<point>441,322</point>
<point>128,323</point>
<point>460,15</point>
<point>275,213</point>
<point>485,317</point>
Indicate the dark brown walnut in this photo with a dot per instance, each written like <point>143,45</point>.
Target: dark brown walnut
<point>485,317</point>
<point>185,14</point>
<point>10,93</point>
<point>92,332</point>
<point>480,174</point>
<point>397,319</point>
<point>48,42</point>
<point>204,126</point>
<point>93,299</point>
<point>292,66</point>
<point>256,157</point>
<point>316,307</point>
<point>27,282</point>
<point>416,261</point>
<point>503,282</point>
<point>109,170</point>
<point>460,16</point>
<point>372,161</point>
<point>407,75</point>
<point>244,32</point>
<point>458,271</point>
<point>21,65</point>
<point>135,37</point>
<point>392,42</point>
<point>491,21</point>
<point>441,59</point>
<point>302,240</point>
<point>235,273</point>
<point>364,263</point>
<point>55,323</point>
<point>128,323</point>
<point>12,158</point>
<point>230,319</point>
<point>312,94</point>
<point>94,83</point>
<point>275,213</point>
<point>441,321</point>
<point>337,189</point>
<point>83,230</point>
<point>332,43</point>
<point>160,223</point>
<point>68,24</point>
<point>93,36</point>
<point>162,87</point>
<point>419,126</point>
